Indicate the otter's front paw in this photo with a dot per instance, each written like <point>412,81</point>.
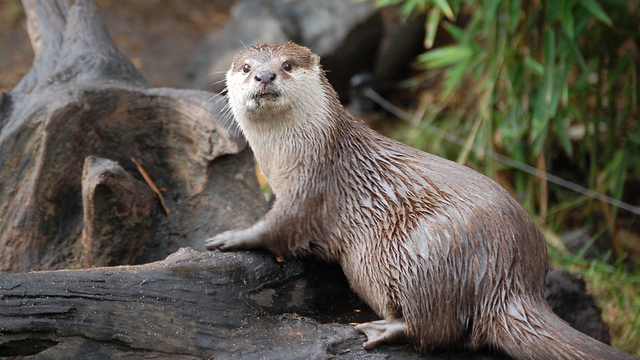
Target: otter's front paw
<point>233,240</point>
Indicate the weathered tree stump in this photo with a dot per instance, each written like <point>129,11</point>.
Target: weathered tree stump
<point>83,100</point>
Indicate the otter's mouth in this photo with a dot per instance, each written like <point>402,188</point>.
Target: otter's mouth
<point>267,95</point>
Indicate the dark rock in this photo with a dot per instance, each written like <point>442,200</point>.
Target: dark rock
<point>403,41</point>
<point>346,34</point>
<point>568,297</point>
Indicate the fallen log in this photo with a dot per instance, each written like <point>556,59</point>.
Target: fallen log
<point>192,305</point>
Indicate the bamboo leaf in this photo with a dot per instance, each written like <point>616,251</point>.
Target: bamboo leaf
<point>549,48</point>
<point>446,9</point>
<point>457,33</point>
<point>381,3</point>
<point>455,5</point>
<point>612,165</point>
<point>514,13</point>
<point>549,59</point>
<point>534,65</point>
<point>596,10</point>
<point>453,77</point>
<point>565,92</point>
<point>553,10</point>
<point>540,139</point>
<point>556,93</point>
<point>490,11</point>
<point>614,174</point>
<point>568,24</point>
<point>408,7</point>
<point>446,55</point>
<point>575,51</point>
<point>540,116</point>
<point>431,26</point>
<point>563,135</point>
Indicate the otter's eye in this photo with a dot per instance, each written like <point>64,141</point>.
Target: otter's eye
<point>246,68</point>
<point>287,65</point>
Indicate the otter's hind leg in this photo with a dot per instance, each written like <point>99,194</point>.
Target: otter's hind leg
<point>383,331</point>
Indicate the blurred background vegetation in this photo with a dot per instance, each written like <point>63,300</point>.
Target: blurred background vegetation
<point>554,85</point>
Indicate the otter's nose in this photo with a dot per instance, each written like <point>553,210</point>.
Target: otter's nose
<point>265,77</point>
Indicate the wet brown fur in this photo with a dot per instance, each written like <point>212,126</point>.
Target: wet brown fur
<point>420,238</point>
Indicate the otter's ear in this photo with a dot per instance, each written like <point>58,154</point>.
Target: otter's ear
<point>315,60</point>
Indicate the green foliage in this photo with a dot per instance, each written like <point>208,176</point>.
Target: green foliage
<point>538,80</point>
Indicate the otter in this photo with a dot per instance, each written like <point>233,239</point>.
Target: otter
<point>443,254</point>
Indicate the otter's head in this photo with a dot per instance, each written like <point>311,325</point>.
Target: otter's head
<point>266,80</point>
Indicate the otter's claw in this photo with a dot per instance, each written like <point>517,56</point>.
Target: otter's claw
<point>222,242</point>
<point>234,240</point>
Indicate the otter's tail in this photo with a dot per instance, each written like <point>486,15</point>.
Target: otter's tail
<point>540,334</point>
